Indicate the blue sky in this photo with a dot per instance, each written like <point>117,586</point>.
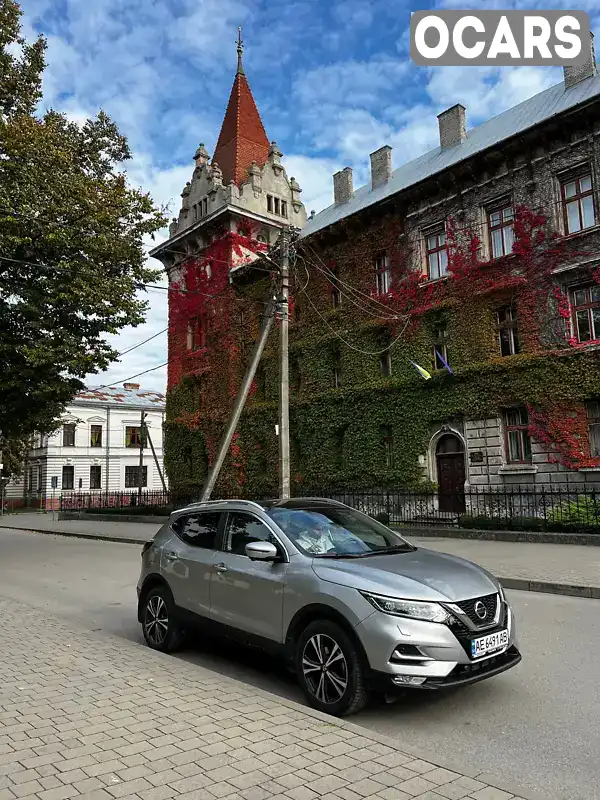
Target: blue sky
<point>332,79</point>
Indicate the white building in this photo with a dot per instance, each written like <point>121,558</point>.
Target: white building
<point>97,446</point>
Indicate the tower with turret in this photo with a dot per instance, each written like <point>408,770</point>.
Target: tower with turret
<point>234,206</point>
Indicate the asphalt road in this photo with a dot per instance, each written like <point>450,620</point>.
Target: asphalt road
<point>536,726</point>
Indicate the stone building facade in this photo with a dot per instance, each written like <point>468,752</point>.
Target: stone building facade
<point>533,171</point>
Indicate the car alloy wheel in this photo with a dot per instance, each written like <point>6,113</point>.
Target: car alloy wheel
<point>325,669</point>
<point>156,620</point>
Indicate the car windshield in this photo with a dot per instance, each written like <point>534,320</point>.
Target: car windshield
<point>336,532</point>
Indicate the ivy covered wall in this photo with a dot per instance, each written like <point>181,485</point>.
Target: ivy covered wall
<point>343,402</point>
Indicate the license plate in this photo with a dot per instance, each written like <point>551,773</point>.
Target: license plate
<point>488,644</point>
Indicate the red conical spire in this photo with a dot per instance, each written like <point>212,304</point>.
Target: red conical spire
<point>242,139</point>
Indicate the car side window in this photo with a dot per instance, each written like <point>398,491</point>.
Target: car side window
<point>199,530</point>
<point>243,529</point>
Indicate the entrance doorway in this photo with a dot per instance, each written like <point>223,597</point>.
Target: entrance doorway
<point>450,457</point>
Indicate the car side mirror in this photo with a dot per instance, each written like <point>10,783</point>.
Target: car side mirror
<point>262,551</point>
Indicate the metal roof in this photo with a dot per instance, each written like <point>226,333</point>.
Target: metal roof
<point>118,396</point>
<point>543,106</point>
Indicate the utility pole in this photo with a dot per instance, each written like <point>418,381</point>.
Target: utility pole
<point>160,472</point>
<point>284,368</point>
<point>143,416</point>
<point>239,401</point>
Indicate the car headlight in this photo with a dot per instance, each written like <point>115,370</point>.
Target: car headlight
<point>414,609</point>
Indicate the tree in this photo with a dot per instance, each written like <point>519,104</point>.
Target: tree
<point>71,234</point>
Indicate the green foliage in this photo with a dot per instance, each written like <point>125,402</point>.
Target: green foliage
<point>584,510</point>
<point>71,235</point>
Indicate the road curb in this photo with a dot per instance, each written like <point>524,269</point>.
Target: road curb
<point>547,587</point>
<point>79,535</point>
<point>521,584</point>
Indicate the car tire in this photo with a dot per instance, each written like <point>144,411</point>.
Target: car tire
<point>330,669</point>
<point>160,624</point>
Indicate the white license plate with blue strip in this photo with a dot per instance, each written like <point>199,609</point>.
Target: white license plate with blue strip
<point>489,644</point>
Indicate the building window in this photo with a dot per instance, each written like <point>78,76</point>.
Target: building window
<point>96,436</point>
<point>586,312</point>
<point>337,369</point>
<point>205,207</point>
<point>69,435</point>
<point>388,446</point>
<point>68,477</point>
<point>195,210</point>
<point>196,339</point>
<point>95,477</point>
<point>336,295</point>
<point>276,206</point>
<point>437,255</point>
<point>133,437</point>
<point>506,320</point>
<point>383,276</point>
<point>283,208</point>
<point>518,443</point>
<point>385,364</point>
<point>270,203</point>
<point>593,416</point>
<point>578,204</point>
<point>131,477</point>
<point>440,347</point>
<point>502,232</point>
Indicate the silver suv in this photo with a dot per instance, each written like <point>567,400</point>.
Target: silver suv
<point>350,604</point>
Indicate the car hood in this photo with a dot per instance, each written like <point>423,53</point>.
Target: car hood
<point>416,575</point>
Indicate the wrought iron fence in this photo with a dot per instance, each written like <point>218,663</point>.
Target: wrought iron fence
<point>558,507</point>
<point>97,501</point>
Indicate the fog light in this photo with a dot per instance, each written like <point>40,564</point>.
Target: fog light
<point>404,680</point>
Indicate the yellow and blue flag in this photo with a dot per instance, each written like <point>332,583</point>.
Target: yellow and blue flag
<point>422,372</point>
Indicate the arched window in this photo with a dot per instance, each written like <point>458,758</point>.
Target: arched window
<point>449,443</point>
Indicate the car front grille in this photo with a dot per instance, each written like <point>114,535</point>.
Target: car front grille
<point>490,602</point>
<point>465,635</point>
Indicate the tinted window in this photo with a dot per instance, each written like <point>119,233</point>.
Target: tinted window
<point>243,529</point>
<point>199,530</point>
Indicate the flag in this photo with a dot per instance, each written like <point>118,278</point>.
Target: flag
<point>422,372</point>
<point>443,360</point>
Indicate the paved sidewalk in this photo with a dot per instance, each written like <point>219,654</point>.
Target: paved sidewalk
<point>562,568</point>
<point>119,531</point>
<point>83,715</point>
<point>569,565</point>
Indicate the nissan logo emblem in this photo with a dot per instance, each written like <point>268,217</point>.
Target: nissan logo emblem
<point>480,610</point>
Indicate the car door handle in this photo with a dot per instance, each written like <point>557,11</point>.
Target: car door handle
<point>171,556</point>
<point>221,567</point>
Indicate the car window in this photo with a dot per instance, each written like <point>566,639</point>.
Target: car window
<point>199,530</point>
<point>336,531</point>
<point>243,529</point>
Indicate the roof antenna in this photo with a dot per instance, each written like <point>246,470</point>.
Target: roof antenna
<point>240,50</point>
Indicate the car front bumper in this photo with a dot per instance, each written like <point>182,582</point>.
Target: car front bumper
<point>407,653</point>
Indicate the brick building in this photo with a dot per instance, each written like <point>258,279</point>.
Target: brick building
<point>234,207</point>
<point>487,249</point>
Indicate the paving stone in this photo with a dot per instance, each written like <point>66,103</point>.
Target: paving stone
<point>108,720</point>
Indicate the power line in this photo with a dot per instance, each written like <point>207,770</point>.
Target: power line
<point>333,279</point>
<point>332,276</point>
<point>140,344</point>
<point>348,344</point>
<point>138,284</point>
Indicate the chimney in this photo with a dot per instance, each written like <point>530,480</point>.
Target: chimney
<point>342,186</point>
<point>576,73</point>
<point>134,386</point>
<point>453,126</point>
<point>381,166</point>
